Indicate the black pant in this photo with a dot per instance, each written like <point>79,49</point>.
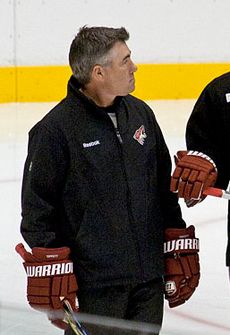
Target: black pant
<point>142,302</point>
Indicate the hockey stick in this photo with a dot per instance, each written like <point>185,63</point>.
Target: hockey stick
<point>217,192</point>
<point>71,319</point>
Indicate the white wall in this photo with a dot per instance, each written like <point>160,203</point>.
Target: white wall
<point>39,32</point>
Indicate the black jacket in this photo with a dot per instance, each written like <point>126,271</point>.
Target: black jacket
<point>109,202</point>
<point>208,130</point>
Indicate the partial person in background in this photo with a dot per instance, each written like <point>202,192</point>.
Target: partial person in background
<point>96,195</point>
<point>207,161</point>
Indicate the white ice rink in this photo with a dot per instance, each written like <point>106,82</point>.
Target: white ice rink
<point>207,312</point>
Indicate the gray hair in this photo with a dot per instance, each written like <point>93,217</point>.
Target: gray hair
<point>90,47</point>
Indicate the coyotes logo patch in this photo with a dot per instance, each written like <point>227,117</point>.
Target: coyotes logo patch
<point>140,135</point>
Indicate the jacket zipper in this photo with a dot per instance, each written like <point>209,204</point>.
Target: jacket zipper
<point>119,142</point>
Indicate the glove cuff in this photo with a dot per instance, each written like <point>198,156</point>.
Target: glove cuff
<point>202,155</point>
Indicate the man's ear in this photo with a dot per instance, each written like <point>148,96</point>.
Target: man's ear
<point>98,72</point>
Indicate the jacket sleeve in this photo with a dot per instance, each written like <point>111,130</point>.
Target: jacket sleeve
<point>205,130</point>
<point>43,180</point>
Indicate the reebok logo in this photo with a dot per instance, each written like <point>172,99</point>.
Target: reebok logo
<point>49,269</point>
<point>181,244</point>
<point>91,144</point>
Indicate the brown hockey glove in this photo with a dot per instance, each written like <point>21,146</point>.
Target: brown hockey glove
<point>194,172</point>
<point>50,279</point>
<point>182,269</point>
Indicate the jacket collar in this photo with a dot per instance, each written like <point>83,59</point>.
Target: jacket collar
<point>74,89</point>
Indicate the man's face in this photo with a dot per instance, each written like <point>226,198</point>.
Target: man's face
<point>119,73</point>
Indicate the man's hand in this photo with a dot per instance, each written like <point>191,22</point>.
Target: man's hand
<point>50,279</point>
<point>194,172</point>
<point>182,269</point>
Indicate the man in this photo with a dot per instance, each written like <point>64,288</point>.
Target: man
<point>96,181</point>
<point>208,137</point>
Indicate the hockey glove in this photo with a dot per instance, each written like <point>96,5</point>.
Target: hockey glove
<point>182,269</point>
<point>194,172</point>
<point>50,280</point>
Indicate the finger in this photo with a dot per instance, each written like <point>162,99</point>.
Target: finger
<point>181,187</point>
<point>193,176</point>
<point>177,172</point>
<point>185,174</point>
<point>202,176</point>
<point>188,190</point>
<point>197,190</point>
<point>173,184</point>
